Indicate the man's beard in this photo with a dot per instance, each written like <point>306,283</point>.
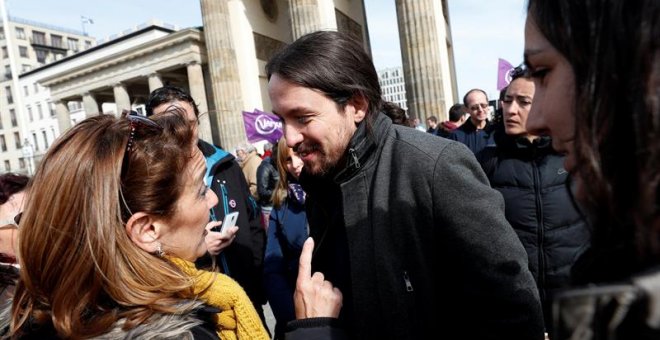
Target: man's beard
<point>322,165</point>
<point>328,161</point>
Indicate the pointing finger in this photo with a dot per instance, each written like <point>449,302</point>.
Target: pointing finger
<point>305,264</point>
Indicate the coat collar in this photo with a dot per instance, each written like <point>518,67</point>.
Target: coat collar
<point>360,153</point>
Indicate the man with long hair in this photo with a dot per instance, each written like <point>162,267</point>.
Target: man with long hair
<point>406,224</point>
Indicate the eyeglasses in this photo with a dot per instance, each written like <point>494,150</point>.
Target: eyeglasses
<point>476,107</point>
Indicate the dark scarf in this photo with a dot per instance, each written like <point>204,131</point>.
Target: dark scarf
<point>297,193</point>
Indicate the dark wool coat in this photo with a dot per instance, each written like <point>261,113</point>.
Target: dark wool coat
<point>415,238</point>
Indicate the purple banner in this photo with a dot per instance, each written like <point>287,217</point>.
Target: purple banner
<point>503,73</point>
<point>261,125</point>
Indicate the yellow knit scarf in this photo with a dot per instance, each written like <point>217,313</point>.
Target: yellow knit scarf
<point>238,319</point>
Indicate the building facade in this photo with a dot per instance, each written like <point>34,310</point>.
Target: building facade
<point>393,86</point>
<point>119,74</point>
<point>222,66</point>
<point>26,125</point>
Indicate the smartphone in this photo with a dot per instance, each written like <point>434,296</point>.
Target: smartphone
<point>229,221</point>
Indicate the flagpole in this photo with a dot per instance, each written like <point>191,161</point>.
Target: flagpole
<point>85,20</point>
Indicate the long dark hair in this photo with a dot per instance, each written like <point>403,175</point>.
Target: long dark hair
<point>333,63</point>
<point>11,183</point>
<point>612,46</point>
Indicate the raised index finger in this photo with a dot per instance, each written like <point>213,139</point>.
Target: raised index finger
<point>305,262</point>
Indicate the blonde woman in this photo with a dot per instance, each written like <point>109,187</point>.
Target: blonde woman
<point>287,231</point>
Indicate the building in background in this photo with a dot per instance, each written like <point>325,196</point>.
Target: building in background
<point>26,126</point>
<point>237,31</point>
<point>242,35</point>
<point>393,86</point>
<point>120,73</point>
<point>76,99</point>
<point>221,65</point>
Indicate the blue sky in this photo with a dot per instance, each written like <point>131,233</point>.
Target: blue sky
<point>483,30</point>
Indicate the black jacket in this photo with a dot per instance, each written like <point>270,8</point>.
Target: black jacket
<point>267,177</point>
<point>532,180</point>
<point>416,240</point>
<point>243,259</point>
<point>475,140</point>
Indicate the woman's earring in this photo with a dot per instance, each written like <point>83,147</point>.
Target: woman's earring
<point>159,250</point>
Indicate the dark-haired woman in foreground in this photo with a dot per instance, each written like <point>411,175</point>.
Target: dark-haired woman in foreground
<point>596,69</point>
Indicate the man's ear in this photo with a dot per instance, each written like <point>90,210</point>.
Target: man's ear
<point>361,105</point>
<point>142,230</point>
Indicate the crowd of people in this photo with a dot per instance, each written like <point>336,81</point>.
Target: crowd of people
<point>541,222</point>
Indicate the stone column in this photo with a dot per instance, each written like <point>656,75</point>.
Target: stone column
<point>122,100</point>
<point>198,92</point>
<point>305,17</point>
<point>420,52</point>
<point>90,104</point>
<point>223,68</point>
<point>155,81</point>
<point>63,116</point>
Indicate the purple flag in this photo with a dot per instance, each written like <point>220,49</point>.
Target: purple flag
<point>503,73</point>
<point>261,125</point>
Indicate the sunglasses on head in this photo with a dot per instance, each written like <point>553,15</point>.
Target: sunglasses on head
<point>138,123</point>
<point>518,72</point>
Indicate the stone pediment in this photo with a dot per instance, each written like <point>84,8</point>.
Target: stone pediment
<point>159,55</point>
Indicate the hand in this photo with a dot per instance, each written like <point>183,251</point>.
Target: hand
<point>216,241</point>
<point>314,296</point>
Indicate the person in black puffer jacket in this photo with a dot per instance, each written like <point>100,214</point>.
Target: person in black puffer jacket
<point>267,178</point>
<point>531,177</point>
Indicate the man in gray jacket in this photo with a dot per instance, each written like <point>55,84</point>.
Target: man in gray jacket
<point>405,223</point>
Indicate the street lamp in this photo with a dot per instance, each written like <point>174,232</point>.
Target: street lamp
<point>28,154</point>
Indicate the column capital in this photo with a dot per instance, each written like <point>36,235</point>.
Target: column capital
<point>193,63</point>
<point>154,80</point>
